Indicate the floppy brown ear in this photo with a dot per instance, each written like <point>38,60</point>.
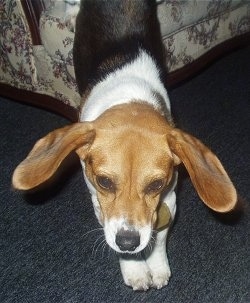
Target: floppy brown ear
<point>207,174</point>
<point>48,153</point>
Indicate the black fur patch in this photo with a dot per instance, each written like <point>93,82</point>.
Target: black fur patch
<point>109,34</point>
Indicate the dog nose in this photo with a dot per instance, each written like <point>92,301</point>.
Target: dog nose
<point>127,240</point>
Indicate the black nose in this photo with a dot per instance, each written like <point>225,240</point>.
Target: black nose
<point>127,239</point>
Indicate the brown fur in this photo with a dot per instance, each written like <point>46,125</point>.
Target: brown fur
<point>133,145</point>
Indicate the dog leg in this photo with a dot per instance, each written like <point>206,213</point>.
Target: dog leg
<point>157,261</point>
<point>136,273</point>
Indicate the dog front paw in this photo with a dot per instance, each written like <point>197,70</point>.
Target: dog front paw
<point>157,261</point>
<point>140,283</point>
<point>160,277</point>
<point>160,270</point>
<point>136,274</point>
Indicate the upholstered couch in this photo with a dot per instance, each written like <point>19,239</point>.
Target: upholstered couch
<point>36,42</point>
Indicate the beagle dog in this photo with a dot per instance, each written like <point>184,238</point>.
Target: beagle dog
<point>126,140</point>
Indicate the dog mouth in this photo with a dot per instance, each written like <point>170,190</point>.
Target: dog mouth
<point>127,239</point>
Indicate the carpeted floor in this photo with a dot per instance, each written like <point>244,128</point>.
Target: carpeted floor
<point>47,253</point>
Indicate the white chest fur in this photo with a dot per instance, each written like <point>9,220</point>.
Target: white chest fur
<point>137,80</point>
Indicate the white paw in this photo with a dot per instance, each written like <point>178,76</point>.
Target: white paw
<point>160,277</point>
<point>157,262</point>
<point>136,274</point>
<point>159,269</point>
<point>153,271</point>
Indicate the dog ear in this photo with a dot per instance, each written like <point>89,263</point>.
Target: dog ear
<point>48,153</point>
<point>207,174</point>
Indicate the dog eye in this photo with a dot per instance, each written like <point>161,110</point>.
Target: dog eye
<point>105,183</point>
<point>155,186</point>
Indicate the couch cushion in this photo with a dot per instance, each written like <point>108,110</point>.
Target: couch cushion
<point>175,15</point>
<point>189,29</point>
<point>55,35</point>
<point>17,67</point>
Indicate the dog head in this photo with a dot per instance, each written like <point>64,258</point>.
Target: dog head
<point>129,155</point>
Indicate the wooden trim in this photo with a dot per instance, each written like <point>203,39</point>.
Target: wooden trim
<point>33,10</point>
<point>42,101</point>
<point>197,66</point>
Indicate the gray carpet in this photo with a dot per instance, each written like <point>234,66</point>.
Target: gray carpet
<point>47,253</point>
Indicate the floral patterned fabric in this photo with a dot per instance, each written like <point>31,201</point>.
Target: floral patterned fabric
<point>16,51</point>
<point>213,22</point>
<point>30,67</point>
<point>189,29</point>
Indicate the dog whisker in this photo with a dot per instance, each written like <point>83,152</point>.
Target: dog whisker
<point>97,245</point>
<point>149,248</point>
<point>111,251</point>
<point>92,231</point>
<point>104,246</point>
